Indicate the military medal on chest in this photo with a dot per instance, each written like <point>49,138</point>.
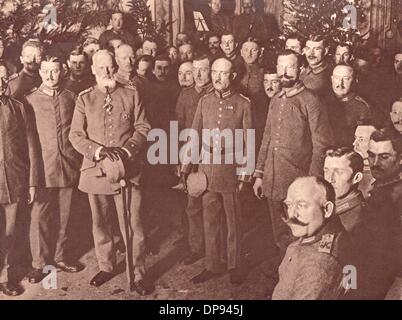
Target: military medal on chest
<point>108,101</point>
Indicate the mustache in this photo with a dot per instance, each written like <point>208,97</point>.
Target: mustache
<point>294,221</point>
<point>284,76</point>
<point>376,168</point>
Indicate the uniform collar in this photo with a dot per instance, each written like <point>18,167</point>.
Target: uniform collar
<point>205,88</point>
<point>318,69</point>
<point>51,92</point>
<point>123,75</point>
<point>349,96</point>
<point>252,67</point>
<point>224,94</point>
<point>382,184</point>
<point>332,226</point>
<point>350,201</point>
<point>291,92</point>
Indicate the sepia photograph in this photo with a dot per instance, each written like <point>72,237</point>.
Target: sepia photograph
<point>212,151</point>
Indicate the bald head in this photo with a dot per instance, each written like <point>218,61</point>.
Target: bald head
<point>222,74</point>
<point>309,202</point>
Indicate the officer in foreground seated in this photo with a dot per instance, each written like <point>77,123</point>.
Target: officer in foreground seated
<point>310,269</point>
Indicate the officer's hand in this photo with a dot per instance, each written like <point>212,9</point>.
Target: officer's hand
<point>112,153</point>
<point>258,188</point>
<point>240,186</point>
<point>183,180</point>
<point>31,194</point>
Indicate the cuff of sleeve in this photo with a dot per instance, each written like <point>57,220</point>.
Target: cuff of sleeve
<point>258,174</point>
<point>128,152</point>
<point>97,152</point>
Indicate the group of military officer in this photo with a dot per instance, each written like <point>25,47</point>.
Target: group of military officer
<point>317,150</point>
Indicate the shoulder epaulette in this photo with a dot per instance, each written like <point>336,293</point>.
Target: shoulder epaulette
<point>30,91</point>
<point>326,243</point>
<point>248,99</point>
<point>69,91</point>
<point>360,99</point>
<point>85,91</point>
<point>13,76</point>
<point>130,85</point>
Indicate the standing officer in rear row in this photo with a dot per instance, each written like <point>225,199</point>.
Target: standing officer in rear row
<point>109,124</point>
<point>221,111</point>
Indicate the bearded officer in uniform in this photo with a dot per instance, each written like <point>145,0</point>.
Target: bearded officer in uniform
<point>109,124</point>
<point>28,78</point>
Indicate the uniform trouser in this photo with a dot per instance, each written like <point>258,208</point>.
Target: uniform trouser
<point>8,216</point>
<point>212,203</point>
<point>50,203</point>
<point>103,231</point>
<point>195,224</point>
<point>282,233</point>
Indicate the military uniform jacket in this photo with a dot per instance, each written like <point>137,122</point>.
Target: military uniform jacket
<point>52,111</point>
<point>368,246</point>
<point>296,134</point>
<point>187,104</point>
<point>21,83</point>
<point>18,152</point>
<point>95,125</point>
<point>219,111</point>
<point>249,25</point>
<point>348,113</point>
<point>78,85</point>
<point>318,79</point>
<point>310,269</point>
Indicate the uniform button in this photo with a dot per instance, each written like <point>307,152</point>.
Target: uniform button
<point>276,149</point>
<point>280,119</point>
<point>110,126</point>
<point>220,109</point>
<point>110,120</point>
<point>220,116</point>
<point>111,141</point>
<point>220,102</point>
<point>279,127</point>
<point>218,123</point>
<point>132,145</point>
<point>89,147</point>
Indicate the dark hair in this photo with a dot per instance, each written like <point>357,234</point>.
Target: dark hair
<point>162,57</point>
<point>52,58</point>
<point>356,160</point>
<point>145,58</point>
<point>288,52</point>
<point>270,69</point>
<point>214,34</point>
<point>388,134</point>
<point>318,38</point>
<point>297,37</point>
<point>228,33</point>
<point>397,51</point>
<point>78,51</point>
<point>201,56</point>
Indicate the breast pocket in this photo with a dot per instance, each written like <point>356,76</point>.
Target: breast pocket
<point>125,119</point>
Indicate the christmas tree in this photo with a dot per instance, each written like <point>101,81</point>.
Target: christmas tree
<point>74,20</point>
<point>337,20</point>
